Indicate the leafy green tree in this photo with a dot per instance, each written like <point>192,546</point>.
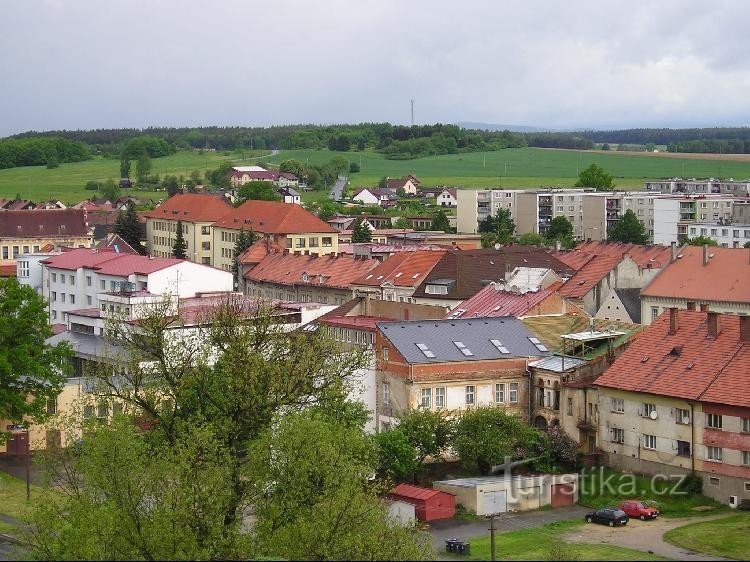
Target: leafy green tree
<point>429,432</point>
<point>531,239</point>
<point>142,167</point>
<point>110,190</point>
<point>219,177</point>
<point>401,192</point>
<point>650,147</point>
<point>353,167</point>
<point>746,245</point>
<point>293,167</point>
<point>595,176</point>
<point>606,146</point>
<point>628,229</point>
<point>92,185</point>
<point>31,371</point>
<point>440,222</point>
<point>179,250</point>
<point>228,440</point>
<point>500,225</point>
<point>125,168</point>
<point>171,185</point>
<point>560,230</point>
<point>245,239</point>
<point>361,233</point>
<point>487,435</point>
<point>128,228</point>
<point>401,222</point>
<point>701,241</point>
<point>53,162</point>
<point>195,175</point>
<point>397,458</point>
<point>257,191</point>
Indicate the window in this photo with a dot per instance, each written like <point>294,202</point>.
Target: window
<point>314,242</point>
<point>71,280</point>
<point>469,395</point>
<point>618,435</point>
<point>300,243</point>
<point>88,412</point>
<point>683,448</point>
<point>205,246</point>
<point>682,416</point>
<point>54,296</point>
<point>499,393</point>
<point>72,299</point>
<point>23,269</point>
<point>5,252</point>
<point>426,401</point>
<point>746,458</point>
<point>569,410</point>
<point>205,230</point>
<point>713,421</point>
<point>53,276</point>
<point>714,454</point>
<point>513,392</point>
<point>327,242</point>
<point>713,481</point>
<point>618,405</point>
<point>649,441</point>
<point>116,408</point>
<point>654,312</point>
<point>385,353</point>
<point>745,425</point>
<point>52,406</point>
<point>386,393</point>
<point>440,397</point>
<point>648,410</point>
<point>88,299</point>
<point>88,280</point>
<point>462,348</point>
<point>62,297</point>
<point>113,286</point>
<point>102,410</point>
<point>102,284</point>
<point>539,345</point>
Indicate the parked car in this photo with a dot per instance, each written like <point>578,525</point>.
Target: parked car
<point>637,508</point>
<point>608,516</point>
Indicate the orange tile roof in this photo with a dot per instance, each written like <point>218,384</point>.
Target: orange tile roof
<point>323,271</point>
<point>688,364</point>
<point>193,207</point>
<point>726,278</point>
<point>274,217</point>
<point>588,276</point>
<point>654,254</point>
<point>259,250</point>
<point>403,269</point>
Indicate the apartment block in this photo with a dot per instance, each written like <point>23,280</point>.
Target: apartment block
<point>704,186</point>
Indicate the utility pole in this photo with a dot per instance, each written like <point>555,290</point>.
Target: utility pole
<point>492,537</point>
<point>28,466</point>
<point>412,113</point>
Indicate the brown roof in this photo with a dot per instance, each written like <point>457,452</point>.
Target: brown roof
<point>8,270</point>
<point>43,223</point>
<point>403,269</point>
<point>471,270</point>
<point>320,271</point>
<point>491,302</point>
<point>193,207</point>
<point>688,364</point>
<point>586,278</point>
<point>274,217</point>
<point>725,278</point>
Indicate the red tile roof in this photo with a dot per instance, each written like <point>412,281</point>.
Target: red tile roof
<point>322,271</point>
<point>586,278</point>
<point>489,302</point>
<point>193,207</point>
<point>43,223</point>
<point>688,364</point>
<point>652,255</point>
<point>403,269</point>
<point>80,257</point>
<point>113,240</point>
<point>109,262</point>
<point>274,217</point>
<point>8,270</point>
<point>725,278</point>
<point>415,492</point>
<point>259,250</point>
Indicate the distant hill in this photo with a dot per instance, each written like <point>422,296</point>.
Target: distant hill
<point>498,127</point>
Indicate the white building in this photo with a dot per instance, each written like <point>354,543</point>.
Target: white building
<point>726,234</point>
<point>29,270</point>
<point>80,279</point>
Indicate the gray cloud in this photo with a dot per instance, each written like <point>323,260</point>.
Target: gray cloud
<point>88,64</point>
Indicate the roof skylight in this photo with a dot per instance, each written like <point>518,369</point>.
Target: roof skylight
<point>500,347</point>
<point>539,345</point>
<point>426,350</point>
<point>462,348</point>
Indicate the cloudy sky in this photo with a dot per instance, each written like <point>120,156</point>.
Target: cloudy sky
<point>70,64</point>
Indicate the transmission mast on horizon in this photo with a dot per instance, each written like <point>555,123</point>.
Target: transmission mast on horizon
<point>412,113</point>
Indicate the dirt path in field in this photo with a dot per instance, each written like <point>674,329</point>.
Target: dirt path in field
<point>645,536</point>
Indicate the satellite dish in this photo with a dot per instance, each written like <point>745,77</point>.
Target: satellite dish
<point>653,415</point>
<point>686,420</point>
<point>497,245</point>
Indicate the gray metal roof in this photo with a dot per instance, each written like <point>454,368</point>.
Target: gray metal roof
<point>631,300</point>
<point>439,337</point>
<point>88,345</point>
<point>557,363</point>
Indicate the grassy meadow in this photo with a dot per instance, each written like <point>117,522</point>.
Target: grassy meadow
<point>516,167</point>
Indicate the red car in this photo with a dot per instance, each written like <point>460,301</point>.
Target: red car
<point>638,509</point>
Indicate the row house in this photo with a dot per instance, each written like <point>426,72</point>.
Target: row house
<point>453,365</point>
<point>397,277</point>
<point>79,279</point>
<point>677,401</point>
<point>29,231</point>
<point>707,278</point>
<point>306,278</point>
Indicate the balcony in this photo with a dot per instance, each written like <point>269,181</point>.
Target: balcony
<point>586,425</point>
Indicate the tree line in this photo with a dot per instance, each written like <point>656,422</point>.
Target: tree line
<point>40,151</point>
<point>729,140</point>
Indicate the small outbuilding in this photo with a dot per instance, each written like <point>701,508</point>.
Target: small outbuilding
<point>498,494</point>
<point>429,504</point>
<point>401,512</point>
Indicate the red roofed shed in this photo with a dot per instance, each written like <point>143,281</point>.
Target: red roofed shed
<point>429,504</point>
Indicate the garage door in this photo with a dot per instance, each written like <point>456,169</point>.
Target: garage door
<point>562,494</point>
<point>495,502</point>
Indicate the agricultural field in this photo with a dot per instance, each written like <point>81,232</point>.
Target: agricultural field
<point>515,167</point>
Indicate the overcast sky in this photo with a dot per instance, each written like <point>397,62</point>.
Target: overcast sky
<point>83,64</point>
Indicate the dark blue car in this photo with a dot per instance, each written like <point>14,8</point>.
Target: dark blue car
<point>608,516</point>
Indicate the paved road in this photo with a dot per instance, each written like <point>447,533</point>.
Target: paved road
<point>446,529</point>
<point>337,190</point>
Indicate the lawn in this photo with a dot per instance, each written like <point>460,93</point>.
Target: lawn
<point>523,167</point>
<point>594,494</point>
<point>13,496</point>
<point>545,543</point>
<point>729,537</point>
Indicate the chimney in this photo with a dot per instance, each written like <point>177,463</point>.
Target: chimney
<point>673,322</point>
<point>704,307</point>
<point>691,305</point>
<point>705,254</point>
<point>674,252</point>
<point>745,329</point>
<point>713,324</point>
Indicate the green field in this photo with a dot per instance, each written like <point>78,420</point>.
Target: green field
<point>515,167</point>
<point>729,537</point>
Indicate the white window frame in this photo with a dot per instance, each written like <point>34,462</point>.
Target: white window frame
<point>714,421</point>
<point>470,395</point>
<point>618,405</point>
<point>500,393</point>
<point>513,392</point>
<point>440,397</point>
<point>618,435</point>
<point>649,441</point>
<point>714,454</point>
<point>386,394</point>
<point>425,400</point>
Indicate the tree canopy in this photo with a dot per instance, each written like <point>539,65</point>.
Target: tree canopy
<point>361,232</point>
<point>628,229</point>
<point>31,371</point>
<point>129,229</point>
<point>179,249</point>
<point>258,190</point>
<point>498,228</point>
<point>440,222</point>
<point>560,230</point>
<point>595,176</point>
<point>701,241</point>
